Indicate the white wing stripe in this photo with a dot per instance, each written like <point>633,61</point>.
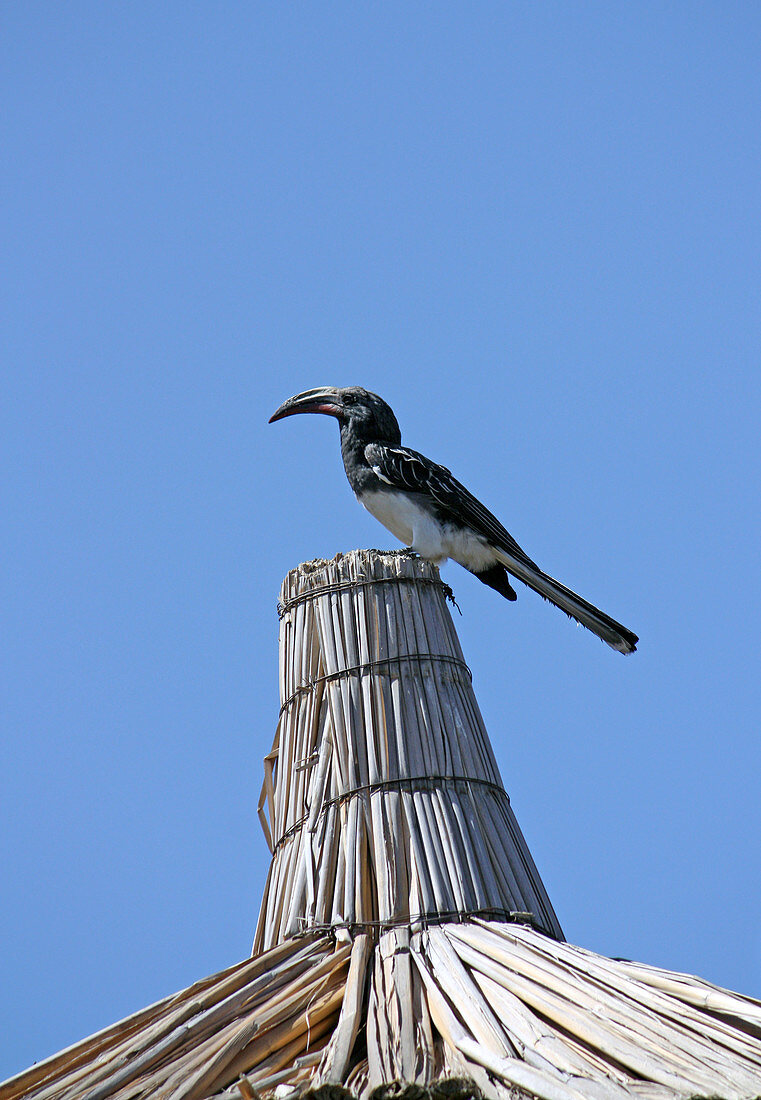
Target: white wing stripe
<point>379,473</point>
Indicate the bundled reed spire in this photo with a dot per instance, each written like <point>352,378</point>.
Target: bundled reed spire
<point>382,800</point>
<point>405,944</point>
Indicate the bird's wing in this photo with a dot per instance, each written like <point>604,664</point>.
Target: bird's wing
<point>411,472</point>
<point>408,471</point>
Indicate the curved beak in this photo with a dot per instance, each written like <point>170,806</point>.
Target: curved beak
<point>325,399</point>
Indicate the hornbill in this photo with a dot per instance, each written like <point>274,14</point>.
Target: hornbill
<point>430,511</point>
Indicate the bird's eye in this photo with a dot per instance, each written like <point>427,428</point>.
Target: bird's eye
<point>349,399</point>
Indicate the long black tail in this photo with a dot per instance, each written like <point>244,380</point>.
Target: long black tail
<point>611,632</point>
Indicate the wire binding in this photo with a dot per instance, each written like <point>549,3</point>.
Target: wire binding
<point>370,666</point>
<point>449,916</point>
<point>348,586</point>
<point>417,781</point>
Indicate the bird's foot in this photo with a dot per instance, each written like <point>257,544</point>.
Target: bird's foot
<point>406,552</point>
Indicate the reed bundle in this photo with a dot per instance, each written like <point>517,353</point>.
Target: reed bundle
<point>382,800</point>
<point>405,940</point>
<point>260,1016</point>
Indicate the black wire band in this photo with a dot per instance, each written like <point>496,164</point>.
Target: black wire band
<point>348,586</point>
<point>451,916</point>
<point>418,781</point>
<point>369,666</point>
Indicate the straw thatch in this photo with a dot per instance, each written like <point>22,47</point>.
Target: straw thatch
<point>405,945</point>
<point>384,803</point>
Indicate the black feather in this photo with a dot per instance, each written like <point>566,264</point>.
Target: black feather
<point>497,578</point>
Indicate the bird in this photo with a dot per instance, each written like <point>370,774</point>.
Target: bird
<point>424,506</point>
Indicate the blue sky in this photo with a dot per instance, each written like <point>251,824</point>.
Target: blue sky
<point>532,228</point>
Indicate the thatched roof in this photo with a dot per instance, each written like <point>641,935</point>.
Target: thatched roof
<point>406,945</point>
<point>479,1005</point>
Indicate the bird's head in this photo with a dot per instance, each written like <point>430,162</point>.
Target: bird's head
<point>365,414</point>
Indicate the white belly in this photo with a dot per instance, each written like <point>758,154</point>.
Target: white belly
<point>416,527</point>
